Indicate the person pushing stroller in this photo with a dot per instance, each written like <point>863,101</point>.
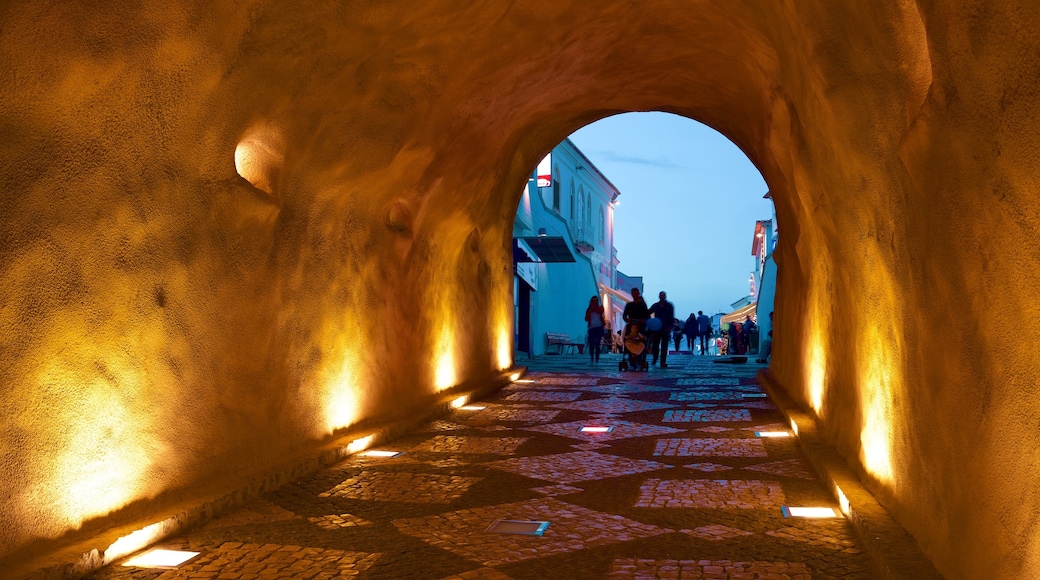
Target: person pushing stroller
<point>635,316</point>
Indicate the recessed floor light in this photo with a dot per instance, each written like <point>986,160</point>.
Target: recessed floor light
<point>808,512</point>
<point>159,558</point>
<point>380,453</point>
<point>526,381</point>
<point>473,408</point>
<point>772,434</point>
<point>593,429</point>
<point>519,527</point>
<point>754,395</point>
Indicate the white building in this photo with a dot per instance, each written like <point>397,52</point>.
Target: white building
<point>564,249</point>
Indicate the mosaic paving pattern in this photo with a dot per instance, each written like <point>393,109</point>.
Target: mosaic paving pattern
<point>705,396</point>
<point>702,493</point>
<point>709,381</point>
<point>576,466</point>
<point>622,430</point>
<point>710,448</point>
<point>572,528</point>
<point>627,388</point>
<point>509,414</point>
<point>706,415</point>
<point>560,489</point>
<point>405,487</point>
<point>821,538</point>
<point>236,560</point>
<point>752,404</point>
<point>708,467</point>
<point>705,569</point>
<point>426,512</point>
<point>461,444</point>
<point>715,532</point>
<point>564,396</point>
<point>565,381</point>
<point>788,468</point>
<point>713,429</point>
<point>612,405</point>
<point>338,522</point>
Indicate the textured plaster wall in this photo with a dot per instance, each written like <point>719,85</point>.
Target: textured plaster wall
<point>165,323</point>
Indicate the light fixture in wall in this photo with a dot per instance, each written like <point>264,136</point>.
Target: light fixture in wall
<point>808,512</point>
<point>460,402</point>
<point>542,233</point>
<point>160,558</point>
<point>382,453</point>
<point>770,434</point>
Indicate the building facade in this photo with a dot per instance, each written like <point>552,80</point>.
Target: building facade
<point>564,250</point>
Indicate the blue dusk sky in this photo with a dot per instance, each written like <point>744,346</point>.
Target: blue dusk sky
<point>689,202</point>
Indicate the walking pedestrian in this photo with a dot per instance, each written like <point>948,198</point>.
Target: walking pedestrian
<point>692,331</point>
<point>665,312</point>
<point>594,317</point>
<point>703,329</point>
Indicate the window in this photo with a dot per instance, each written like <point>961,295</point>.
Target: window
<point>601,224</point>
<point>572,199</point>
<point>556,190</point>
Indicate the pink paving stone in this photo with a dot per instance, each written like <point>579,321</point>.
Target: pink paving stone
<point>700,493</point>
<point>513,414</point>
<point>612,405</point>
<point>572,528</point>
<point>561,489</point>
<point>576,466</point>
<point>819,536</point>
<point>234,560</point>
<point>553,396</point>
<point>462,444</point>
<point>788,467</point>
<point>643,569</point>
<point>403,487</point>
<point>708,467</point>
<point>704,396</point>
<point>717,447</point>
<point>565,381</point>
<point>714,532</point>
<point>714,429</point>
<point>622,429</point>
<point>706,415</point>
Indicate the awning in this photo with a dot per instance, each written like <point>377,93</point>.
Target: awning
<point>741,313</point>
<point>545,249</point>
<point>619,294</point>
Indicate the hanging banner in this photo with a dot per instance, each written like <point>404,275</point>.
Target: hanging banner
<point>545,171</point>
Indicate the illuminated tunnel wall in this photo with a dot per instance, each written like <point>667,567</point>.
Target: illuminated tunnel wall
<point>230,228</point>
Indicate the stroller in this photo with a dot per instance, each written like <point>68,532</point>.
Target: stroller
<point>635,349</point>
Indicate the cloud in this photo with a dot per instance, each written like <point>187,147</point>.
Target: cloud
<point>660,162</point>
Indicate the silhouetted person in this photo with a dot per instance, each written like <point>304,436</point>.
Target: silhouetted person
<point>703,329</point>
<point>665,312</point>
<point>692,331</point>
<point>595,318</point>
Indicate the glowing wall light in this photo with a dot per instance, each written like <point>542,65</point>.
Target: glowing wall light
<point>133,542</point>
<point>160,558</point>
<point>817,371</point>
<point>259,157</point>
<point>460,402</point>
<point>445,374</point>
<point>877,384</point>
<point>472,408</point>
<point>105,448</point>
<point>381,453</point>
<point>771,434</point>
<point>808,512</point>
<point>360,444</point>
<point>504,348</point>
<point>843,502</point>
<point>340,392</point>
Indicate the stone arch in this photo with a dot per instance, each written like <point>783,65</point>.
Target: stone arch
<point>882,129</point>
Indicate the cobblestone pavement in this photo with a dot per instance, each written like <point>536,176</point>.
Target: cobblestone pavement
<point>678,486</point>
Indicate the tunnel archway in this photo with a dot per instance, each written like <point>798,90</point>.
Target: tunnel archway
<point>145,282</point>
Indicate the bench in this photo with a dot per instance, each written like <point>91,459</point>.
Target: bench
<point>561,342</point>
